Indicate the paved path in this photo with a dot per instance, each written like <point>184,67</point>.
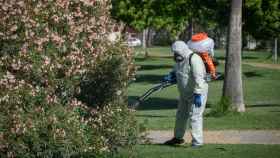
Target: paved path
<point>224,137</point>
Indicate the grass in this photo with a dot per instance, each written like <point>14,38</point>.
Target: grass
<point>255,118</point>
<point>247,56</point>
<point>207,151</point>
<point>261,94</point>
<point>250,56</point>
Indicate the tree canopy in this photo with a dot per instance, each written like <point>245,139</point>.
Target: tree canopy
<point>171,15</point>
<point>262,18</point>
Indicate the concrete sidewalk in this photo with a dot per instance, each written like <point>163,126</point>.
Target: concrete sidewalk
<point>223,137</point>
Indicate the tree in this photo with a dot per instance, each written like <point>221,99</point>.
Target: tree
<point>262,20</point>
<point>135,13</point>
<point>178,17</point>
<point>172,15</point>
<point>233,82</point>
<point>215,19</point>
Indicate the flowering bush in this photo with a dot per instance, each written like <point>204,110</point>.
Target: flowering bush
<point>62,82</point>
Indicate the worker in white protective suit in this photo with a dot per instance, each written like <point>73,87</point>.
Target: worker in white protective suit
<point>189,72</point>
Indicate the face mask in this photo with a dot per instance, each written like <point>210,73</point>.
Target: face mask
<point>178,58</point>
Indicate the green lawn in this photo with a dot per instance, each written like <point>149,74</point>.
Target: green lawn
<point>207,151</point>
<point>261,94</point>
<point>253,56</point>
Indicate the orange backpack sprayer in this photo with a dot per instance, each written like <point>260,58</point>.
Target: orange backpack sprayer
<point>204,47</point>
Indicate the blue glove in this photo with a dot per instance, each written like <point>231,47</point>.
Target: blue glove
<point>171,77</point>
<point>197,100</point>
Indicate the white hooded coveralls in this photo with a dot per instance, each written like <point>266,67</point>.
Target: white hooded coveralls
<point>190,79</point>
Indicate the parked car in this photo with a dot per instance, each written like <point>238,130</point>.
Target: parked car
<point>132,42</point>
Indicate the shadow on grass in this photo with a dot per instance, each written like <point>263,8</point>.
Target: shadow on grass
<point>252,74</point>
<point>262,105</point>
<point>157,104</point>
<point>220,58</point>
<point>145,59</point>
<point>154,116</point>
<point>234,113</point>
<point>153,67</point>
<point>208,105</point>
<point>168,146</point>
<point>137,59</point>
<point>162,56</point>
<point>154,103</point>
<point>150,58</point>
<point>148,78</point>
<point>212,147</point>
<point>249,57</point>
<point>243,57</point>
<point>276,111</point>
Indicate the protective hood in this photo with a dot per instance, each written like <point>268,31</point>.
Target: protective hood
<point>181,48</point>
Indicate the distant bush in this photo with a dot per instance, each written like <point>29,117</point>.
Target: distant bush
<point>162,38</point>
<point>63,84</point>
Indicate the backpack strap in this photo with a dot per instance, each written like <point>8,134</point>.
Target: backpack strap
<point>190,59</point>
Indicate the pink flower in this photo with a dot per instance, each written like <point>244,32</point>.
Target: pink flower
<point>57,39</point>
<point>88,2</point>
<point>63,3</point>
<point>55,18</point>
<point>47,60</point>
<point>13,28</point>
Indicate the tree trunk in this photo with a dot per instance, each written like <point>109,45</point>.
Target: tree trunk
<point>186,35</point>
<point>150,37</point>
<point>122,28</point>
<point>232,88</point>
<point>144,42</point>
<point>190,33</point>
<point>217,38</point>
<point>275,50</point>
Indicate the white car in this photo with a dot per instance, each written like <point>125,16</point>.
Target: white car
<point>132,42</point>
